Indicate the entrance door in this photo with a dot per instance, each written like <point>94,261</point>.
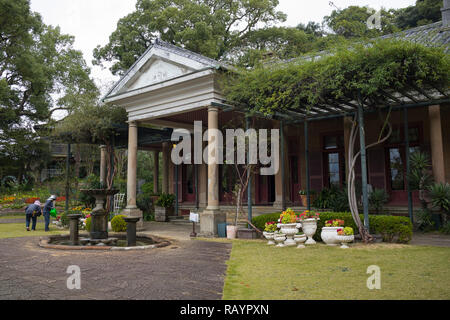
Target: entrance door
<point>265,189</point>
<point>294,164</point>
<point>188,183</point>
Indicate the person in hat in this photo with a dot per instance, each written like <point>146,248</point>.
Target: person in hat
<point>31,213</point>
<point>48,206</point>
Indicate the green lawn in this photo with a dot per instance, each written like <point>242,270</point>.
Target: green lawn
<point>258,271</point>
<point>14,230</point>
<point>19,216</point>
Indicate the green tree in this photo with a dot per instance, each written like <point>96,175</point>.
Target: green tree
<point>423,12</point>
<point>208,27</point>
<point>40,73</point>
<point>93,123</point>
<point>351,22</point>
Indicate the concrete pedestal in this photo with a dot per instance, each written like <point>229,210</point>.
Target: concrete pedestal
<point>209,220</point>
<point>135,213</point>
<point>131,230</point>
<point>73,225</point>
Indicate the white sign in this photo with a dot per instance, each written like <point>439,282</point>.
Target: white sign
<point>193,217</point>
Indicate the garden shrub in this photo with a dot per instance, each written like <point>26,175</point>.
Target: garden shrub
<point>391,228</point>
<point>446,228</point>
<point>118,224</point>
<point>88,224</point>
<point>165,200</point>
<point>144,203</point>
<point>64,219</point>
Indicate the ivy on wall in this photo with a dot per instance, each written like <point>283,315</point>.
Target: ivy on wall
<point>339,75</point>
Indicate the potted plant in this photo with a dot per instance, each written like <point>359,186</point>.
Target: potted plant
<point>299,238</point>
<point>164,207</point>
<point>269,230</point>
<point>329,231</point>
<point>440,199</point>
<point>279,237</point>
<point>309,224</point>
<point>345,235</point>
<point>304,197</point>
<point>288,225</point>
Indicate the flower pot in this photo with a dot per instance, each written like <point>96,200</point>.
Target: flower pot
<point>279,238</point>
<point>299,239</point>
<point>231,232</point>
<point>269,236</point>
<point>345,239</point>
<point>162,214</point>
<point>329,234</point>
<point>289,229</point>
<point>309,227</point>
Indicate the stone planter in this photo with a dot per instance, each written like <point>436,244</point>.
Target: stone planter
<point>309,227</point>
<point>329,234</point>
<point>299,239</point>
<point>231,232</point>
<point>345,239</point>
<point>289,229</point>
<point>269,236</point>
<point>279,238</point>
<point>99,216</point>
<point>162,214</point>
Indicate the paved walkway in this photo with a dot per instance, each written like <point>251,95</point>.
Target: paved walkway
<point>431,239</point>
<point>188,269</point>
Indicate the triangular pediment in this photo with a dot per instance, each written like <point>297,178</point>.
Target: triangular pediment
<point>160,63</point>
<point>156,70</point>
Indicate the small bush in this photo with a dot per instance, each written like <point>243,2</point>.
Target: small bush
<point>377,199</point>
<point>425,221</point>
<point>165,200</point>
<point>88,224</point>
<point>147,188</point>
<point>446,228</point>
<point>144,203</point>
<point>64,219</point>
<point>391,228</point>
<point>118,224</point>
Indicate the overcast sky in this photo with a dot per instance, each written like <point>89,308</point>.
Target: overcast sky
<point>92,21</point>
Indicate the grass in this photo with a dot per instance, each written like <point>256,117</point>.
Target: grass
<point>258,271</point>
<point>14,230</point>
<point>18,216</point>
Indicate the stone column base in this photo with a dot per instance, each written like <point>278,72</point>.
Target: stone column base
<point>209,220</point>
<point>135,212</point>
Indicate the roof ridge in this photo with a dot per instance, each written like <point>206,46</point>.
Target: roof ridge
<point>191,54</point>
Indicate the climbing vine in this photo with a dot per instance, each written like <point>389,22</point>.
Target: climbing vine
<point>362,73</point>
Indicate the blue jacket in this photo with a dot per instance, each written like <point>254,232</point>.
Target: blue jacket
<point>33,208</point>
<point>48,206</point>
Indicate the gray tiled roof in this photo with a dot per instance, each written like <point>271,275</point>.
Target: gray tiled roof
<point>187,53</point>
<point>434,34</point>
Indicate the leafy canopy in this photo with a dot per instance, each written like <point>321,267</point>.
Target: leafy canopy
<point>383,64</point>
<point>208,27</point>
<point>40,73</point>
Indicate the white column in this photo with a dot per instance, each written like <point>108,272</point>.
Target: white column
<point>132,164</point>
<point>437,146</point>
<point>213,166</point>
<point>103,165</point>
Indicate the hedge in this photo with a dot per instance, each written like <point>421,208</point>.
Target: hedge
<point>118,224</point>
<point>391,228</point>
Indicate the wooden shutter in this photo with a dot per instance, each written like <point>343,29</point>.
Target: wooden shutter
<point>315,170</point>
<point>376,165</point>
